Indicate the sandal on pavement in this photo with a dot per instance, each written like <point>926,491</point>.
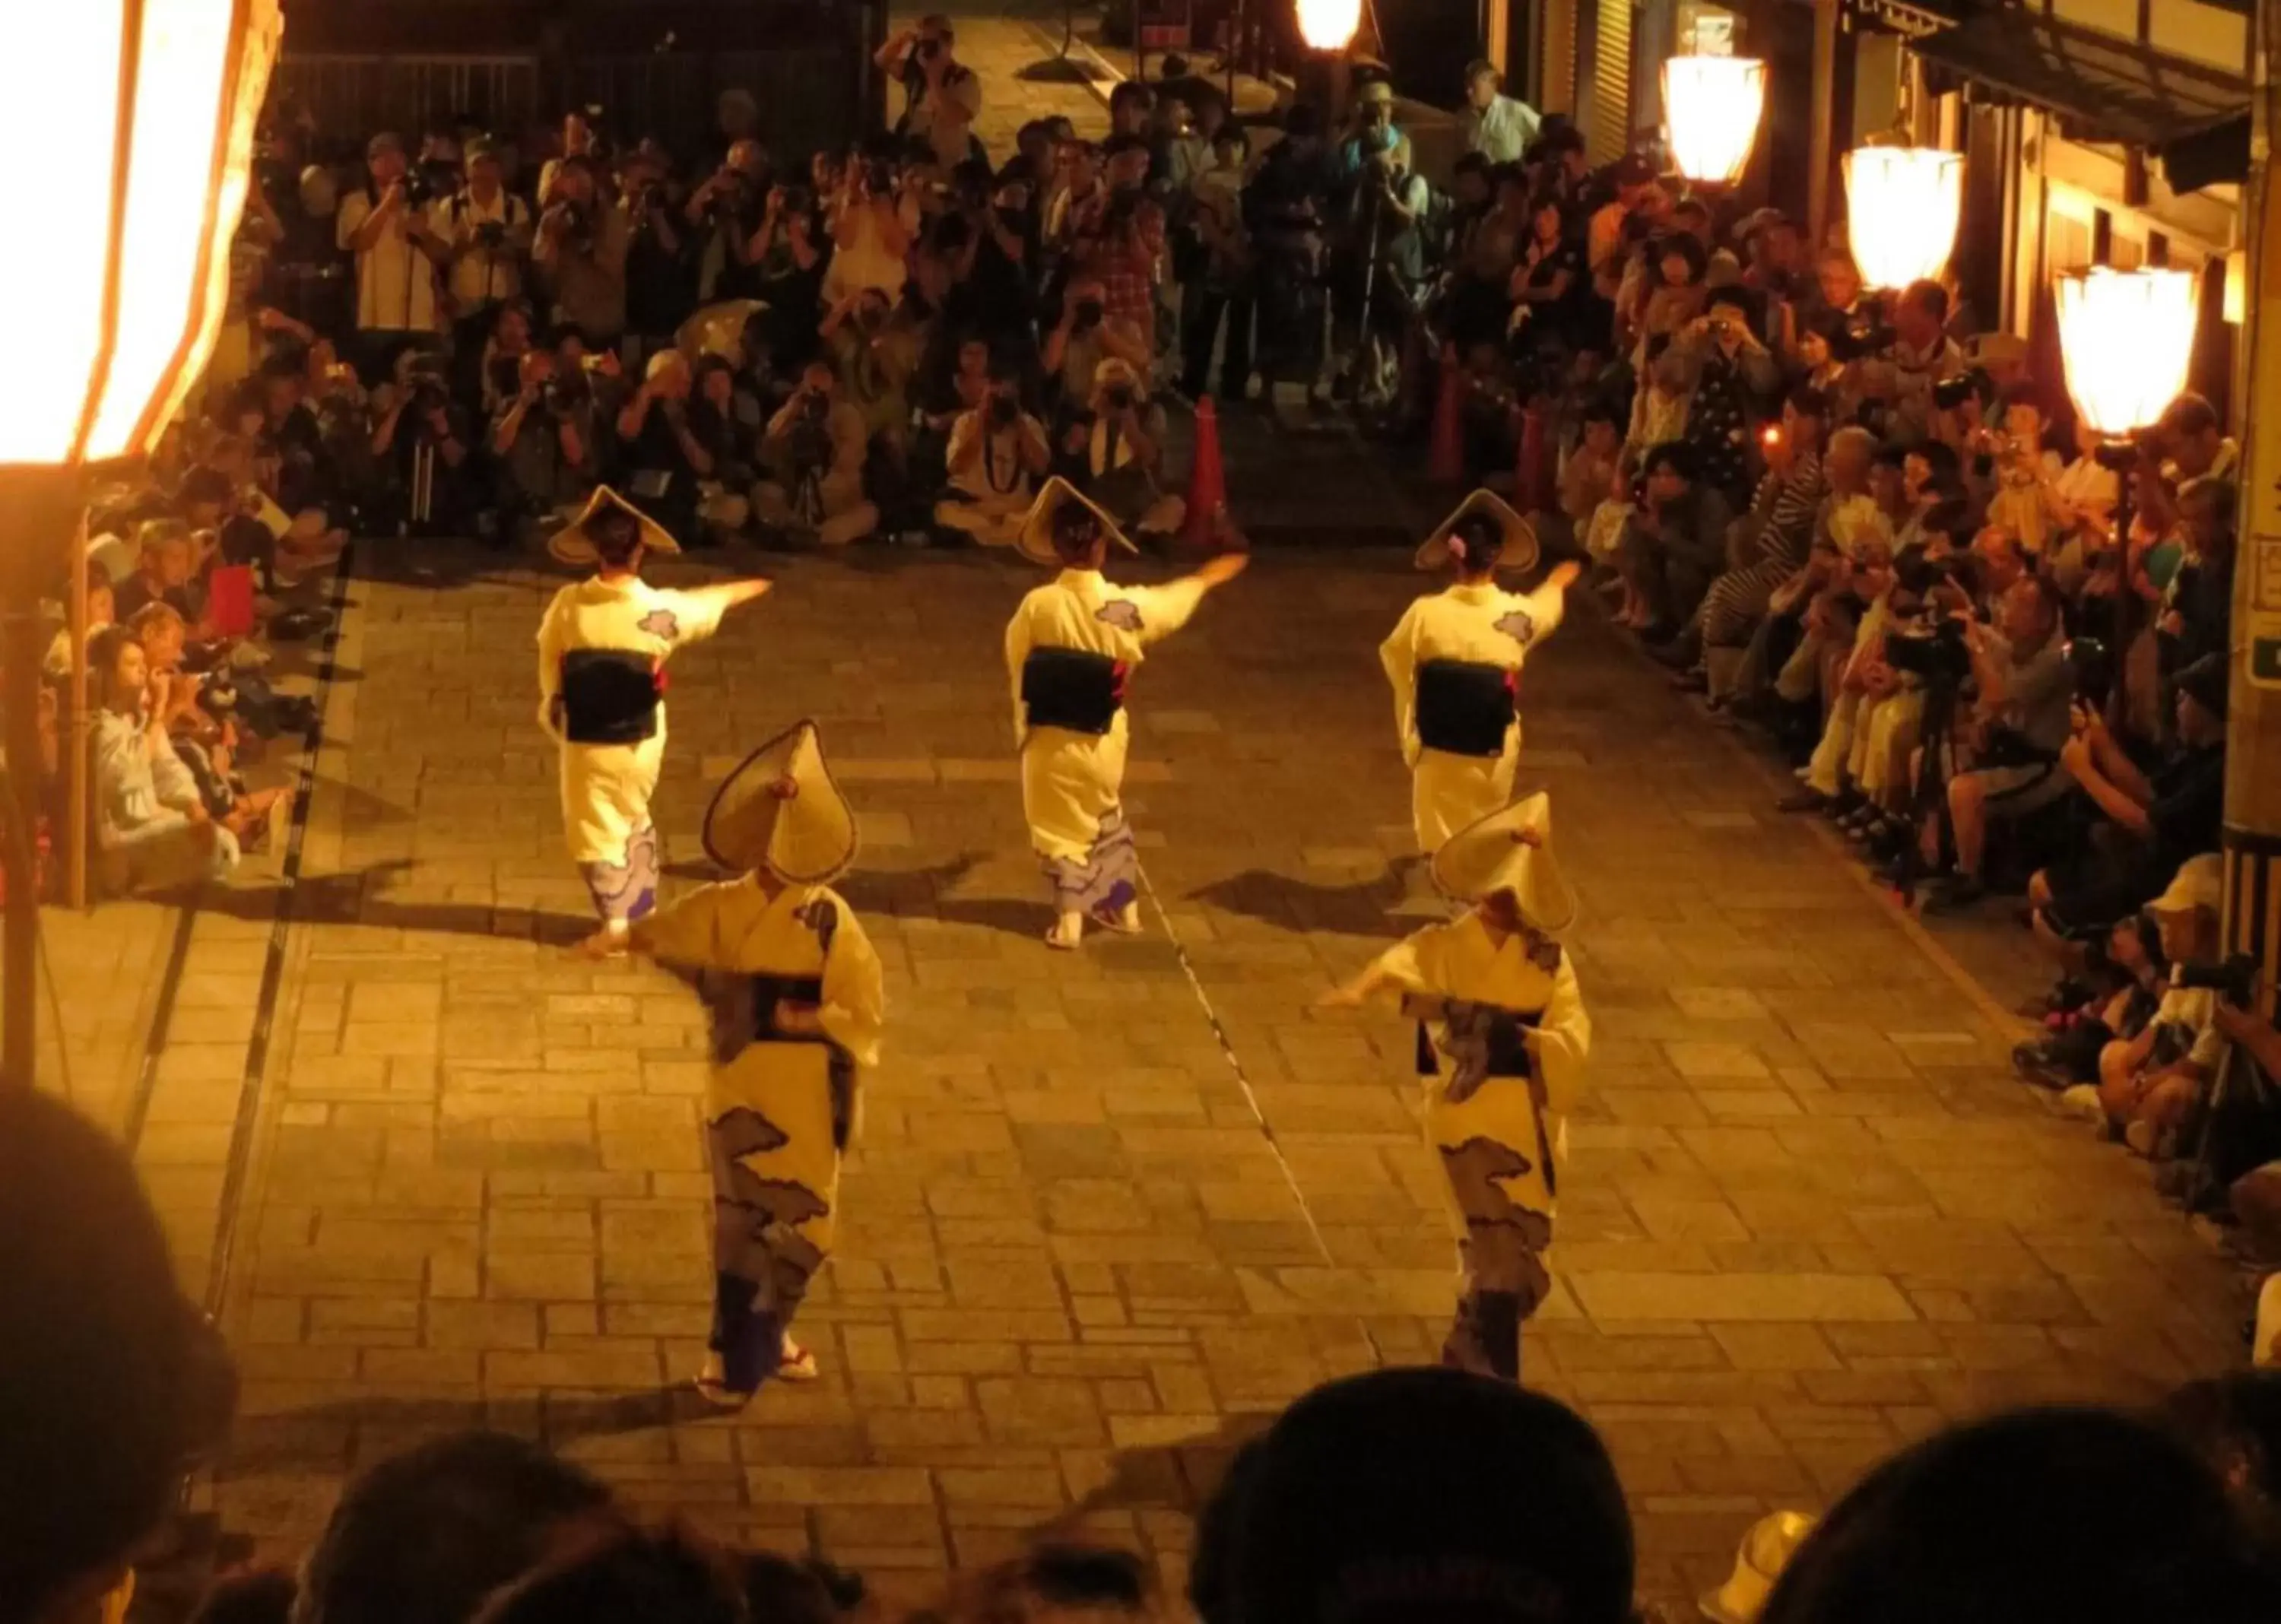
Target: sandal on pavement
<point>798,1364</point>
<point>713,1387</point>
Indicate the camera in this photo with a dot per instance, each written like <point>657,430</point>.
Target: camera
<point>2232,979</point>
<point>1936,655</point>
<point>567,391</point>
<point>930,51</point>
<point>1863,336</point>
<point>1953,390</point>
<point>2091,662</point>
<point>880,177</point>
<point>1089,313</point>
<point>1003,410</point>
<point>492,234</point>
<point>1120,395</point>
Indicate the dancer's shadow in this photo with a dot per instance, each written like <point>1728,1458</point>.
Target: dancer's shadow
<point>1178,1477</point>
<point>357,896</point>
<point>1371,907</point>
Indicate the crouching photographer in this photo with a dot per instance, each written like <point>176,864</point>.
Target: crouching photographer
<point>814,450</point>
<point>544,444</point>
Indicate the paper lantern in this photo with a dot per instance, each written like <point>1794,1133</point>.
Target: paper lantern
<point>1328,25</point>
<point>2127,337</point>
<point>1712,105</point>
<point>132,123</point>
<point>1902,204</point>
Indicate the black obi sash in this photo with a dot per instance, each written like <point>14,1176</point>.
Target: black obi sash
<point>609,696</point>
<point>1508,1050</point>
<point>1465,706</point>
<point>1073,689</point>
<point>769,990</point>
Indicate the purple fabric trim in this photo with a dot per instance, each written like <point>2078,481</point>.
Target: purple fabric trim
<point>626,890</point>
<point>1109,879</point>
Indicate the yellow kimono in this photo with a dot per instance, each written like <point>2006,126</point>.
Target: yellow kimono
<point>613,630</point>
<point>1454,661</point>
<point>1495,1111</point>
<point>780,1110</point>
<point>1072,781</point>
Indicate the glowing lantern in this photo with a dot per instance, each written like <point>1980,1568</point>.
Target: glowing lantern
<point>1328,25</point>
<point>1712,105</point>
<point>2127,337</point>
<point>1902,205</point>
<point>133,124</point>
<point>141,115</point>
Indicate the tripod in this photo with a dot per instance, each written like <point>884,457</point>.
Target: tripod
<point>1928,796</point>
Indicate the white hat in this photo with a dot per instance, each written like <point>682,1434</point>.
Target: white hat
<point>1511,851</point>
<point>1036,540</point>
<point>781,810</point>
<point>2198,883</point>
<point>1520,551</point>
<point>573,546</point>
<point>1765,1551</point>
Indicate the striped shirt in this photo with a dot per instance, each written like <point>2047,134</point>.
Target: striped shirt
<point>1791,499</point>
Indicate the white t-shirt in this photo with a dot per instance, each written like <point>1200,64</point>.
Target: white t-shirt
<point>396,281</point>
<point>487,275</point>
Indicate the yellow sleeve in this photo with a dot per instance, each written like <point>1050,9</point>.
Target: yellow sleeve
<point>1164,609</point>
<point>1546,607</point>
<point>854,1008</point>
<point>1413,966</point>
<point>1564,1039</point>
<point>696,612</point>
<point>1017,652</point>
<point>1398,655</point>
<point>686,933</point>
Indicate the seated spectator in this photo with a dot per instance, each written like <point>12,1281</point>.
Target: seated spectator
<point>727,435</point>
<point>2113,1001</point>
<point>426,1537</point>
<point>814,451</point>
<point>545,442</point>
<point>110,1384</point>
<point>2059,1513</point>
<point>1086,336</point>
<point>998,456</point>
<point>2149,1083</point>
<point>876,348</point>
<point>1113,451</point>
<point>150,837</point>
<point>102,610</point>
<point>2163,817</point>
<point>1346,1509</point>
<point>165,572</point>
<point>663,461</point>
<point>500,364</point>
<point>1862,680</point>
<point>421,441</point>
<point>2024,716</point>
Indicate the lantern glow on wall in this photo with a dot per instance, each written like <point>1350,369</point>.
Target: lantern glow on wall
<point>1712,105</point>
<point>1902,206</point>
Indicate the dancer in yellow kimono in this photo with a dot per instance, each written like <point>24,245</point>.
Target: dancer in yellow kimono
<point>1455,662</point>
<point>1071,648</point>
<point>1502,1039</point>
<point>798,1006</point>
<point>602,650</point>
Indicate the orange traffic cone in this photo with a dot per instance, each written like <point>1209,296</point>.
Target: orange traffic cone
<point>1207,482</point>
<point>1445,458</point>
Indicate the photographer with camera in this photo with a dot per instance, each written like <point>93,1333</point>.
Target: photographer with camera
<point>725,209</point>
<point>941,97</point>
<point>874,220</point>
<point>997,453</point>
<point>2156,819</point>
<point>661,277</point>
<point>662,460</point>
<point>1923,354</point>
<point>815,448</point>
<point>421,434</point>
<point>1674,540</point>
<point>1086,336</point>
<point>487,235</point>
<point>580,254</point>
<point>1112,451</point>
<point>546,443</point>
<point>386,225</point>
<point>2150,1084</point>
<point>2024,716</point>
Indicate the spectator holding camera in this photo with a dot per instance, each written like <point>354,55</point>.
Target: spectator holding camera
<point>724,212</point>
<point>998,455</point>
<point>1113,451</point>
<point>2025,716</point>
<point>580,253</point>
<point>814,450</point>
<point>661,277</point>
<point>942,98</point>
<point>486,232</point>
<point>662,457</point>
<point>2148,1084</point>
<point>1922,353</point>
<point>387,225</point>
<point>152,837</point>
<point>545,441</point>
<point>874,221</point>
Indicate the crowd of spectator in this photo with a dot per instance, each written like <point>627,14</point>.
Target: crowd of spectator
<point>1386,1497</point>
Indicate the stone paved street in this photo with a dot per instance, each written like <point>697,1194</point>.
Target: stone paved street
<point>1110,1211</point>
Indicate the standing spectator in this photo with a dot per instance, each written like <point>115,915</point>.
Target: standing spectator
<point>580,139</point>
<point>1217,288</point>
<point>486,232</point>
<point>661,279</point>
<point>396,249</point>
<point>1496,126</point>
<point>581,253</point>
<point>942,98</point>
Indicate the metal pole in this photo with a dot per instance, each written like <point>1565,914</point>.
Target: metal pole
<point>2253,743</point>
